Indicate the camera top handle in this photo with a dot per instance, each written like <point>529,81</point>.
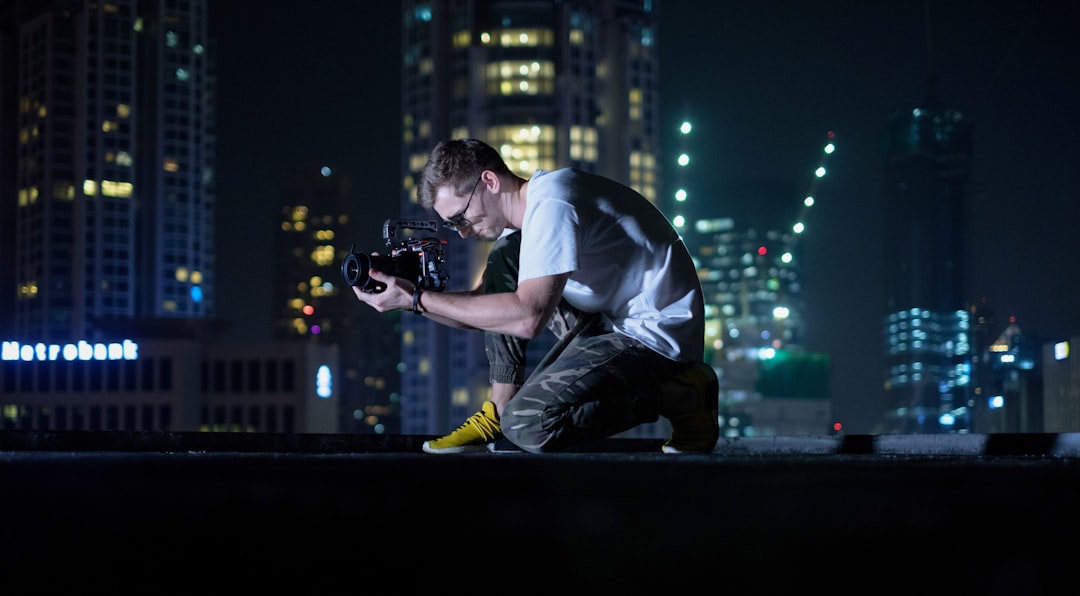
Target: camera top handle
<point>391,226</point>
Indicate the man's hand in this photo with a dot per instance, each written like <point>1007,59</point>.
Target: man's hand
<point>397,295</point>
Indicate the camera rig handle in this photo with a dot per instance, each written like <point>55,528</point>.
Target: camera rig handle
<point>391,226</point>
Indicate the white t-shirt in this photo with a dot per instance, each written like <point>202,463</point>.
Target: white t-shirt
<point>627,262</point>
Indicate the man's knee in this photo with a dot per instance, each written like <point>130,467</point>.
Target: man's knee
<point>524,426</point>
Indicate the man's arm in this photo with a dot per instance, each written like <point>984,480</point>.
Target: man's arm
<point>477,290</point>
<point>522,313</point>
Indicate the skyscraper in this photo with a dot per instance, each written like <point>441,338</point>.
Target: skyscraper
<point>549,84</point>
<point>112,171</point>
<point>750,266</point>
<point>926,325</point>
<point>107,161</point>
<point>313,304</point>
<point>745,235</point>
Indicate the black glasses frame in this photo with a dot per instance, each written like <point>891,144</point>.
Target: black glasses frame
<point>459,221</point>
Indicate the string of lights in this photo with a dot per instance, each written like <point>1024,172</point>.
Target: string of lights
<point>683,161</point>
<point>819,172</point>
<point>751,280</point>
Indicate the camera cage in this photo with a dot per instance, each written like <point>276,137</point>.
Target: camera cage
<point>421,260</point>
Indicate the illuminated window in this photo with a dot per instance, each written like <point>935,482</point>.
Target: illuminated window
<point>583,143</point>
<point>525,148</point>
<point>635,100</point>
<point>643,174</point>
<point>460,396</point>
<point>520,77</point>
<point>462,39</point>
<point>112,188</point>
<point>64,191</point>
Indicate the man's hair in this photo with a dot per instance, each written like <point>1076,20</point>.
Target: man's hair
<point>457,163</point>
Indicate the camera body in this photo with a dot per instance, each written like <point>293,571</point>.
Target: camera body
<point>419,260</point>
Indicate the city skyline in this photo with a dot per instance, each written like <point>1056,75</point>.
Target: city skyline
<point>775,77</point>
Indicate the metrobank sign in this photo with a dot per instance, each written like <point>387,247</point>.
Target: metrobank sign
<point>80,350</point>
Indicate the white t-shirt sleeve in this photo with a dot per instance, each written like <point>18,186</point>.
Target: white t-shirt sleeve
<point>548,239</point>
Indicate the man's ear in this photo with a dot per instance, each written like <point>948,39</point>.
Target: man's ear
<point>491,180</point>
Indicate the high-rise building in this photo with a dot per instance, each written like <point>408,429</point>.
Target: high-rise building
<point>548,83</point>
<point>750,267</point>
<point>8,101</point>
<point>926,326</point>
<point>314,222</point>
<point>744,236</point>
<point>111,171</point>
<point>1061,395</point>
<point>313,304</point>
<point>107,233</point>
<point>1006,391</point>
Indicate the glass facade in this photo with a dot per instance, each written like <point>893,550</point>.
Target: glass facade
<point>106,233</point>
<point>926,327</point>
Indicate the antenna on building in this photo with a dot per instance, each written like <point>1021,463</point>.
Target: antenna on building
<point>929,38</point>
<point>931,74</point>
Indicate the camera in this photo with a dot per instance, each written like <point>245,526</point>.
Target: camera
<point>419,260</point>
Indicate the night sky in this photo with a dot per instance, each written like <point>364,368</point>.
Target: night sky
<point>763,81</point>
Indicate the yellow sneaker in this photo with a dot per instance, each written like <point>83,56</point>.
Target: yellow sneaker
<point>698,429</point>
<point>473,435</point>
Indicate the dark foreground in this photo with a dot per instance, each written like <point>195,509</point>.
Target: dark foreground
<point>174,513</point>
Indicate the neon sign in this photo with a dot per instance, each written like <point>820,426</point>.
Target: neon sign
<point>80,350</point>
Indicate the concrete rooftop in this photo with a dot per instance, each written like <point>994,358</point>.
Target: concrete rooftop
<point>210,513</point>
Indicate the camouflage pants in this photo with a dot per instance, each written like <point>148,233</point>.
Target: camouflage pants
<point>592,384</point>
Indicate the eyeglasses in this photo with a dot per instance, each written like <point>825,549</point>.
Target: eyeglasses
<point>458,221</point>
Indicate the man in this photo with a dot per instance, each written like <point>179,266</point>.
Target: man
<point>601,267</point>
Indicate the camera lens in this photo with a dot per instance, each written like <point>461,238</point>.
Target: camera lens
<point>356,267</point>
<point>354,270</point>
